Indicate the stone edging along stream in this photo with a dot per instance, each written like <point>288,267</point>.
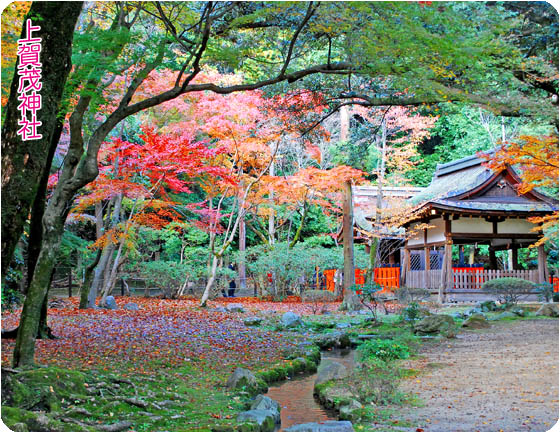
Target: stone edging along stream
<point>303,361</point>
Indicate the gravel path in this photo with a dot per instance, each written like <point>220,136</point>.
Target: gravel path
<point>504,378</point>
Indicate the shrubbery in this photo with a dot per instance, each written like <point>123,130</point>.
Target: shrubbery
<point>386,350</point>
<point>509,289</point>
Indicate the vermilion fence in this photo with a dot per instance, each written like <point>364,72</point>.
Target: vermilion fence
<point>389,278</point>
<point>554,282</point>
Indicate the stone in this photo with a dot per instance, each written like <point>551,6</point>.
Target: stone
<point>252,321</point>
<point>291,320</point>
<point>351,411</point>
<point>242,378</point>
<point>131,306</point>
<point>19,426</point>
<point>339,340</point>
<point>263,418</point>
<point>325,426</point>
<point>505,315</point>
<point>110,303</point>
<point>235,308</point>
<point>262,402</point>
<point>550,310</point>
<point>476,321</point>
<point>474,311</point>
<point>520,312</point>
<point>436,324</point>
<point>487,306</point>
<point>343,325</point>
<point>219,310</point>
<point>330,370</point>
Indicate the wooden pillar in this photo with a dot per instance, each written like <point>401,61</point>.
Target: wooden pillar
<point>427,268</point>
<point>405,266</point>
<point>542,271</point>
<point>446,278</point>
<point>515,257</point>
<point>493,260</point>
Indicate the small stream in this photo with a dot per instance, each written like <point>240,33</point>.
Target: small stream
<point>295,396</point>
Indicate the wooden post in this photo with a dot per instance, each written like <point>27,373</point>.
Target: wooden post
<point>541,264</point>
<point>70,283</point>
<point>446,279</point>
<point>514,257</point>
<point>427,268</point>
<point>405,266</point>
<point>493,260</point>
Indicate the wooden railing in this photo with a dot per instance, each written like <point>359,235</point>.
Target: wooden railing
<point>465,278</point>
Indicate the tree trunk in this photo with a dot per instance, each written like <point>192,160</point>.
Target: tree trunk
<point>374,248</point>
<point>350,301</point>
<point>53,227</point>
<point>84,292</point>
<point>24,162</point>
<point>210,282</point>
<point>242,246</point>
<point>38,209</point>
<point>109,282</point>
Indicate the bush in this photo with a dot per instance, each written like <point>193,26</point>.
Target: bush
<point>167,275</point>
<point>412,313</point>
<point>545,292</point>
<point>375,382</point>
<point>508,289</point>
<point>386,350</point>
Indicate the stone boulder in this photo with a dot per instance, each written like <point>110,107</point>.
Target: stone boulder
<point>550,310</point>
<point>264,419</point>
<point>242,378</point>
<point>436,324</point>
<point>252,321</point>
<point>131,306</point>
<point>330,370</point>
<point>262,402</point>
<point>326,426</point>
<point>291,320</point>
<point>339,340</point>
<point>235,308</point>
<point>476,321</point>
<point>351,411</point>
<point>343,325</point>
<point>505,315</point>
<point>110,303</point>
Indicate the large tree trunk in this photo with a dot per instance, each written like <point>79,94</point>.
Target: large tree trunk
<point>374,246</point>
<point>350,301</point>
<point>24,162</point>
<point>53,227</point>
<point>210,282</point>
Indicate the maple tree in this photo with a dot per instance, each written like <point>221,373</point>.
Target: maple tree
<point>142,175</point>
<point>536,160</point>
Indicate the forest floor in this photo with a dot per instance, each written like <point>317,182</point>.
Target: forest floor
<point>503,378</point>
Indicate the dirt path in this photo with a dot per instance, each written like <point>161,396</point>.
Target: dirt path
<point>504,378</point>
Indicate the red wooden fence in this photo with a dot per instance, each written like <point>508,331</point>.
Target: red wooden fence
<point>389,278</point>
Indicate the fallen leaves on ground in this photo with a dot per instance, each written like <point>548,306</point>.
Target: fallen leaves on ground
<point>162,334</point>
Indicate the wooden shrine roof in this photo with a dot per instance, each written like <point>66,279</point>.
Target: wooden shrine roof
<point>466,185</point>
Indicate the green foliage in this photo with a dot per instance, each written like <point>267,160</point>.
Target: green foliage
<point>167,275</point>
<point>545,292</point>
<point>291,267</point>
<point>386,350</point>
<point>412,312</point>
<point>508,289</point>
